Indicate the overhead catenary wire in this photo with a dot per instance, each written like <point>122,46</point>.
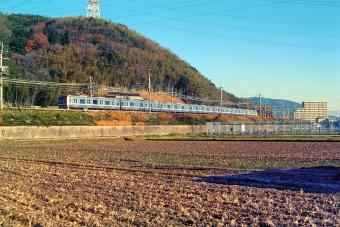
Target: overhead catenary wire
<point>41,83</point>
<point>154,23</point>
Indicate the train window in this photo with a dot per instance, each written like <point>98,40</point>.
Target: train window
<point>141,104</point>
<point>95,102</point>
<point>182,107</point>
<point>107,102</point>
<point>89,101</point>
<point>61,100</point>
<point>168,106</point>
<point>75,101</point>
<point>82,101</point>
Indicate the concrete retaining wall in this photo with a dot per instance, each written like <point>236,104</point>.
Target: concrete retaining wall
<point>59,132</point>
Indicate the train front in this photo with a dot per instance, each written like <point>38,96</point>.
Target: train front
<point>63,102</point>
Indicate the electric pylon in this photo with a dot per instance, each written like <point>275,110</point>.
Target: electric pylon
<point>92,9</point>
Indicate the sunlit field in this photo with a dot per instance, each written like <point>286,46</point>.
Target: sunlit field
<point>169,183</point>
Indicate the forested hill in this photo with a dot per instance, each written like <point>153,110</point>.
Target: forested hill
<point>71,50</point>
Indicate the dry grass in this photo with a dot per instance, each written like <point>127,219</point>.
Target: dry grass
<point>34,193</point>
<point>116,118</point>
<point>118,115</point>
<point>113,123</point>
<point>163,116</point>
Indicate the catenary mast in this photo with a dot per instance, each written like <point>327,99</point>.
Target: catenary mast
<point>3,69</point>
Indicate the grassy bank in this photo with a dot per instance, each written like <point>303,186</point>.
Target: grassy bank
<point>47,117</point>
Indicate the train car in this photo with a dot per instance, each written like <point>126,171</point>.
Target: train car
<point>155,106</point>
<point>192,108</point>
<point>85,102</point>
<point>166,107</point>
<point>109,103</point>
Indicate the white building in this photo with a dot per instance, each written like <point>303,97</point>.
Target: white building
<point>312,110</point>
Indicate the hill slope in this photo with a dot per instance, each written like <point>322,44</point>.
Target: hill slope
<point>278,104</point>
<point>73,50</point>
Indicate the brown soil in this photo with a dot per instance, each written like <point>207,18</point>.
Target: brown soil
<point>112,184</point>
<point>161,98</point>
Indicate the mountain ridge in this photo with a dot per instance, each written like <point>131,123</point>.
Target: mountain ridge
<point>277,104</point>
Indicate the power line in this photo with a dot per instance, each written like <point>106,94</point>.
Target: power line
<point>267,31</point>
<point>309,2</point>
<point>255,40</point>
<point>196,15</point>
<point>235,27</point>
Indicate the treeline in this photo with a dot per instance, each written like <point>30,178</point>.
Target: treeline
<point>73,50</point>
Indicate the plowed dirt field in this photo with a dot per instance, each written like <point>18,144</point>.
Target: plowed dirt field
<point>166,183</point>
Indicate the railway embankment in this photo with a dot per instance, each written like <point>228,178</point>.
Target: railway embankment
<point>57,117</point>
<point>48,123</point>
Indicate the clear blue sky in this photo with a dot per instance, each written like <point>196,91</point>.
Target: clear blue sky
<point>283,49</point>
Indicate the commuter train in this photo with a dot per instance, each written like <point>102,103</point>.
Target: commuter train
<point>85,102</point>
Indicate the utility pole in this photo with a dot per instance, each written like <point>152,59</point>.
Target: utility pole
<point>172,95</point>
<point>2,70</point>
<point>338,107</point>
<point>149,92</point>
<point>90,86</point>
<point>283,113</point>
<point>221,100</point>
<point>260,105</point>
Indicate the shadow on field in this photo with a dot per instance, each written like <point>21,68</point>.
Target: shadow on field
<point>323,179</point>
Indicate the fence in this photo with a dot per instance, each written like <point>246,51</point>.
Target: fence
<point>270,128</point>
